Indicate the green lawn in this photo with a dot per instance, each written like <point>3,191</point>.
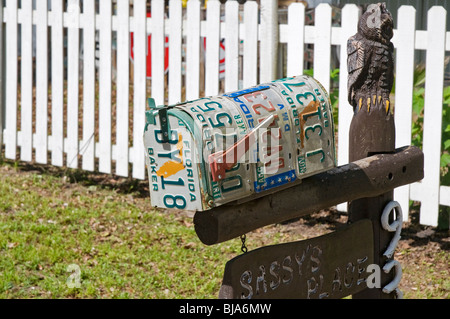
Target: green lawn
<point>119,247</point>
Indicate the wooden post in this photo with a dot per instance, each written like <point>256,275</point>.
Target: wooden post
<point>372,130</point>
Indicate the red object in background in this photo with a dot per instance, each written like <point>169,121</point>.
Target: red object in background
<point>149,52</point>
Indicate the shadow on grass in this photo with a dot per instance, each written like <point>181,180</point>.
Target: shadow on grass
<point>123,185</point>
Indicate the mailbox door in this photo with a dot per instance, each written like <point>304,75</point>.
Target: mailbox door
<point>174,167</point>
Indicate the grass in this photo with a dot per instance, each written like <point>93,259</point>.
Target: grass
<point>105,226</point>
<point>123,248</point>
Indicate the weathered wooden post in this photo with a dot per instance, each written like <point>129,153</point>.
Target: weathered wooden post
<point>372,130</point>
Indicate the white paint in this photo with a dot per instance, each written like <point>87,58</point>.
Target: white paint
<point>73,44</point>
<point>250,63</point>
<point>404,88</point>
<point>296,39</point>
<point>432,123</point>
<point>212,48</point>
<point>87,146</point>
<point>105,76</point>
<point>57,137</point>
<point>40,140</point>
<point>175,38</point>
<point>123,88</point>
<point>231,46</point>
<point>350,17</point>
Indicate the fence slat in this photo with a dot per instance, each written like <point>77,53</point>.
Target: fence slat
<point>41,144</point>
<point>193,50</point>
<point>406,23</point>
<point>105,87</point>
<point>250,59</point>
<point>231,46</point>
<point>296,37</point>
<point>11,84</point>
<point>73,43</point>
<point>2,79</point>
<point>57,138</point>
<point>122,84</point>
<point>350,17</point>
<point>175,40</point>
<point>212,48</point>
<point>432,123</point>
<point>268,41</point>
<point>157,48</point>
<point>87,148</point>
<point>26,81</point>
<point>444,195</point>
<point>322,45</point>
<point>139,99</point>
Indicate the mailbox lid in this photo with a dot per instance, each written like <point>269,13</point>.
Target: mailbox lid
<point>174,166</point>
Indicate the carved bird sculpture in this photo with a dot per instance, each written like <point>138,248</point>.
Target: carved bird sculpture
<point>370,61</point>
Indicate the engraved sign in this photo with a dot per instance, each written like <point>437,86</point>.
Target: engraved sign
<point>330,266</point>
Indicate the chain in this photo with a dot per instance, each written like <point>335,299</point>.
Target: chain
<point>243,247</point>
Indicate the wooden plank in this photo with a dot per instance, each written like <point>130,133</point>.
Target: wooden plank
<point>57,43</point>
<point>250,59</point>
<point>350,17</point>
<point>363,178</point>
<point>404,90</point>
<point>105,74</point>
<point>329,266</point>
<point>26,82</point>
<point>122,83</point>
<point>432,123</point>
<point>193,50</point>
<point>268,41</point>
<point>157,48</point>
<point>212,48</point>
<point>231,46</point>
<point>73,49</point>
<point>175,40</point>
<point>41,143</point>
<point>11,84</point>
<point>87,148</point>
<point>296,39</point>
<point>322,45</point>
<point>139,98</point>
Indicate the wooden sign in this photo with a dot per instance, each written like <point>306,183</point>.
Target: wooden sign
<point>330,266</point>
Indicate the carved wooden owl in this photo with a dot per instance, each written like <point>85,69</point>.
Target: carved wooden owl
<point>370,60</point>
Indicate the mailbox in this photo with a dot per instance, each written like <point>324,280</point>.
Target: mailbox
<point>238,146</point>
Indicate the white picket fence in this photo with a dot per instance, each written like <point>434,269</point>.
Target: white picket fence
<point>76,131</point>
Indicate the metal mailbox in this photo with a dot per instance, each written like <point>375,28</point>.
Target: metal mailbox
<point>238,146</point>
